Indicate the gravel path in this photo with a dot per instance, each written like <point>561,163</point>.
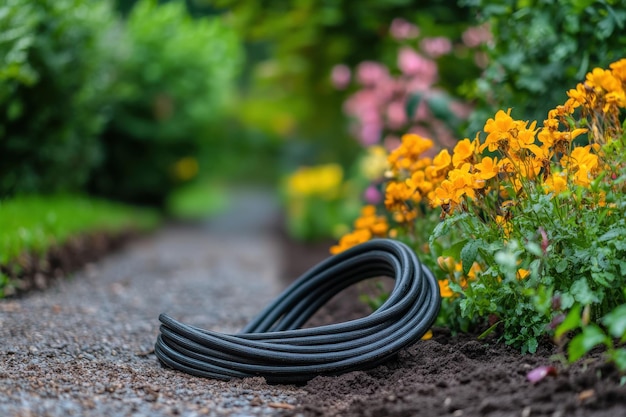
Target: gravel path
<point>84,347</point>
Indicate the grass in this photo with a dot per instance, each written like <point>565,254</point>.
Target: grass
<point>33,223</point>
<point>197,201</point>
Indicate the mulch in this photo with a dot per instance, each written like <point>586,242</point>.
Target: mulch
<point>453,375</point>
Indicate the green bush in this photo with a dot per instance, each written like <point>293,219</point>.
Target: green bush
<point>173,78</point>
<point>541,49</point>
<point>53,84</point>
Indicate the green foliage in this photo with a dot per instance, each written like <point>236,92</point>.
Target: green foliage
<point>292,47</point>
<point>172,84</point>
<point>611,335</point>
<point>541,49</point>
<point>197,201</point>
<point>53,87</point>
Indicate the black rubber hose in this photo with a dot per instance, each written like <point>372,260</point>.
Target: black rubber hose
<point>274,346</point>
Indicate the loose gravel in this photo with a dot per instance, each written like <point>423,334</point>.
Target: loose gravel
<point>85,346</point>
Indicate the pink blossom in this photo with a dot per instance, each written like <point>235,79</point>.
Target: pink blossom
<point>437,46</point>
<point>477,35</point>
<point>401,29</point>
<point>370,134</point>
<point>540,373</point>
<point>372,195</point>
<point>391,142</point>
<point>370,73</point>
<point>340,76</point>
<point>396,114</point>
<point>361,102</point>
<point>413,64</point>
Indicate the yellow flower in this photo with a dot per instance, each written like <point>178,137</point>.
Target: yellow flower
<point>322,180</point>
<point>487,168</point>
<point>501,131</point>
<point>619,69</point>
<point>578,96</point>
<point>504,225</point>
<point>408,154</point>
<point>556,183</point>
<point>463,152</point>
<point>446,263</point>
<point>582,163</point>
<point>444,288</point>
<point>600,79</point>
<point>522,273</point>
<point>442,162</point>
<point>374,163</point>
<point>350,240</point>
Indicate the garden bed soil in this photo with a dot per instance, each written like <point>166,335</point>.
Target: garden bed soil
<point>31,271</point>
<point>453,375</point>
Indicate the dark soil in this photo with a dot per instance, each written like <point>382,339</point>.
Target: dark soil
<point>453,375</point>
<point>31,271</point>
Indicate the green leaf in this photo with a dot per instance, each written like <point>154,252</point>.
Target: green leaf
<point>439,106</point>
<point>615,321</point>
<point>618,356</point>
<point>531,345</point>
<point>561,265</point>
<point>582,293</point>
<point>469,254</point>
<point>489,330</point>
<point>412,104</point>
<point>572,321</point>
<point>590,337</point>
<point>455,250</point>
<point>612,234</point>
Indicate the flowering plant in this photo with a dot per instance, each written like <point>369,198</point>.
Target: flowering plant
<point>532,219</point>
<point>317,199</point>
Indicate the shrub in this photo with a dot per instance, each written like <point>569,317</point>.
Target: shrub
<point>53,88</point>
<point>541,49</point>
<point>533,219</point>
<point>173,79</point>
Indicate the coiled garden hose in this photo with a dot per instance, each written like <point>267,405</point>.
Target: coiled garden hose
<point>274,346</point>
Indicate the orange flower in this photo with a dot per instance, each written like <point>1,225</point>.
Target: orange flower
<point>487,168</point>
<point>444,288</point>
<point>463,152</point>
<point>501,131</point>
<point>351,239</point>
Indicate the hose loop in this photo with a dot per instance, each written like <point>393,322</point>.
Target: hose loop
<point>274,345</point>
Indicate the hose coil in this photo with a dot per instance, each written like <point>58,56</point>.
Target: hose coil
<point>274,346</point>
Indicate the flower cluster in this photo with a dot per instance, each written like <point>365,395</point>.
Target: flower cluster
<point>531,216</point>
<point>369,225</point>
<point>321,180</point>
<point>392,101</point>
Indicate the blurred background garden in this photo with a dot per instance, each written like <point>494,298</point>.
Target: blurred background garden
<point>124,114</point>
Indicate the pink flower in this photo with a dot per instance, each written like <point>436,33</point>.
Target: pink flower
<point>396,114</point>
<point>370,73</point>
<point>401,29</point>
<point>413,64</point>
<point>369,134</point>
<point>340,76</point>
<point>392,142</point>
<point>372,195</point>
<point>436,47</point>
<point>477,35</point>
